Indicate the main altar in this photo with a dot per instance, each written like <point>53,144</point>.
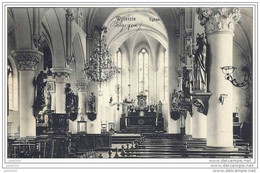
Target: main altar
<point>142,118</point>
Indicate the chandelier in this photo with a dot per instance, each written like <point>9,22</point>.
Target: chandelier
<point>99,67</point>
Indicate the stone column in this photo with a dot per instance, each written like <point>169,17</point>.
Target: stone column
<point>173,126</point>
<point>26,61</point>
<point>61,76</point>
<point>219,26</point>
<point>181,13</point>
<point>188,124</point>
<point>199,124</point>
<point>69,19</point>
<point>82,93</point>
<point>95,126</point>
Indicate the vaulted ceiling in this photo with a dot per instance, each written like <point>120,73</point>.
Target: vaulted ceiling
<point>169,15</point>
<point>244,32</point>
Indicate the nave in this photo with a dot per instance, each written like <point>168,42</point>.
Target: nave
<point>163,82</point>
<point>147,145</point>
<point>176,146</point>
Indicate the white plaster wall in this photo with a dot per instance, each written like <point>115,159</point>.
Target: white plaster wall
<point>13,117</point>
<point>241,96</point>
<point>171,125</point>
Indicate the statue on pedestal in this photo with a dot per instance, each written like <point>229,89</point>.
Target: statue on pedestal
<point>39,99</point>
<point>45,120</point>
<point>92,103</point>
<point>124,106</point>
<point>71,102</point>
<point>91,112</point>
<point>159,107</point>
<point>199,65</point>
<point>176,99</point>
<point>48,101</point>
<point>186,82</point>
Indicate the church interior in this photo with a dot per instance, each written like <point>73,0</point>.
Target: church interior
<point>114,82</point>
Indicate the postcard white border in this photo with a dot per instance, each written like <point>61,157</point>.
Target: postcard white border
<point>191,164</point>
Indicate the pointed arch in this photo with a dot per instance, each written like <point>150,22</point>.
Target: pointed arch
<point>56,35</point>
<point>78,46</point>
<point>143,71</point>
<point>23,27</point>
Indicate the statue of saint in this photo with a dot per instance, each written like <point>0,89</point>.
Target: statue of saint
<point>199,65</point>
<point>186,82</point>
<point>45,120</point>
<point>39,84</point>
<point>92,103</point>
<point>176,98</point>
<point>160,107</point>
<point>48,100</point>
<point>124,106</point>
<point>71,99</point>
<point>39,99</point>
<point>173,97</point>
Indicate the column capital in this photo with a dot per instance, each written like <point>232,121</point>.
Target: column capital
<point>61,75</point>
<point>181,11</point>
<point>218,19</point>
<point>82,86</point>
<point>39,40</point>
<point>26,60</point>
<point>89,36</point>
<point>69,14</point>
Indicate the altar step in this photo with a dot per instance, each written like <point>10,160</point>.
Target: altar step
<point>140,129</point>
<point>124,139</point>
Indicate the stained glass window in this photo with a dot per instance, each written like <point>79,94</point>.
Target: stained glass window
<point>143,72</point>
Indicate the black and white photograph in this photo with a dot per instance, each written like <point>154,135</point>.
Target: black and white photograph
<point>155,83</point>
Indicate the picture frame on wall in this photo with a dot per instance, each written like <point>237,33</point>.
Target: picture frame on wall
<point>50,86</point>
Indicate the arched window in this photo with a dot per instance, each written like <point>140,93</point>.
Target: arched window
<point>118,64</point>
<point>166,74</point>
<point>162,75</point>
<point>143,72</point>
<point>10,87</point>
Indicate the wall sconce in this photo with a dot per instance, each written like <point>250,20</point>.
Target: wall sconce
<point>228,70</point>
<point>222,97</point>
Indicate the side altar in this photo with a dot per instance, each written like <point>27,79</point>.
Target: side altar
<point>142,118</point>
